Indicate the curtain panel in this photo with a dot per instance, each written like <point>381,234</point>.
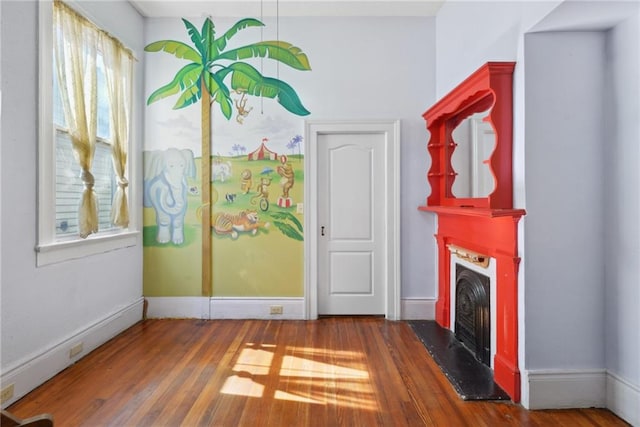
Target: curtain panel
<point>77,42</point>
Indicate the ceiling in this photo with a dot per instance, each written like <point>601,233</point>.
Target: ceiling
<point>241,8</point>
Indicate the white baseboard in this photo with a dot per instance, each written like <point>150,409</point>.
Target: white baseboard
<point>178,307</point>
<point>224,308</point>
<point>556,389</point>
<point>418,309</point>
<point>257,308</point>
<point>622,399</point>
<point>30,372</point>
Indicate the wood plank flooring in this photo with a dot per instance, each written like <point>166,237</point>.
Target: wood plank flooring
<point>329,372</point>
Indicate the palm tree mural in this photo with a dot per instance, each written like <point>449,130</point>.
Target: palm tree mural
<point>295,142</point>
<point>213,71</point>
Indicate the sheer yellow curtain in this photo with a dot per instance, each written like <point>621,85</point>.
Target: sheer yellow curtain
<point>119,72</point>
<point>75,46</point>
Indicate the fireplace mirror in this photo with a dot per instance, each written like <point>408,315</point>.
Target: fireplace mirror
<point>473,142</point>
<point>461,174</point>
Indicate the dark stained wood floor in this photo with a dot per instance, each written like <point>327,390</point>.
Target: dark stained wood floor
<point>329,372</point>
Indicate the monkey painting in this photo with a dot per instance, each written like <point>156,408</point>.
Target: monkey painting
<point>287,180</point>
<point>262,189</point>
<point>241,106</point>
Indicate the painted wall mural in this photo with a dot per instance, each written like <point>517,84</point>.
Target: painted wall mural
<point>223,187</point>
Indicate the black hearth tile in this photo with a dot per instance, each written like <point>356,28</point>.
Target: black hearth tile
<point>471,379</point>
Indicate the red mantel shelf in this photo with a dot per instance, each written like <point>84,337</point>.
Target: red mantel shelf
<point>484,225</point>
<point>471,211</point>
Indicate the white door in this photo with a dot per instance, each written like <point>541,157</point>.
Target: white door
<point>355,223</point>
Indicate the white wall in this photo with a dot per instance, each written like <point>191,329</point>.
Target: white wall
<point>47,310</point>
<point>564,278</point>
<point>622,201</point>
<point>552,341</point>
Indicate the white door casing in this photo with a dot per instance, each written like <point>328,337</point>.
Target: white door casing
<point>348,241</point>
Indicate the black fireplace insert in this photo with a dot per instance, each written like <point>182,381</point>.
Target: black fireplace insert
<point>472,315</point>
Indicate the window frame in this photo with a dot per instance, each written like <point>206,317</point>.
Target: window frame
<point>49,248</point>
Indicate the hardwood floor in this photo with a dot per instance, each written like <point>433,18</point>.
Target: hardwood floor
<point>329,372</point>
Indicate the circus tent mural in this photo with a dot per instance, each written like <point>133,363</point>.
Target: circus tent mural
<point>262,152</point>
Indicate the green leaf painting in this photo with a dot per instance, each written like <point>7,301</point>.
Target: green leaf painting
<point>212,63</point>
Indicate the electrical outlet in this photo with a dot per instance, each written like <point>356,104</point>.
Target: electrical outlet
<point>300,208</point>
<point>275,309</point>
<point>6,393</point>
<point>75,350</point>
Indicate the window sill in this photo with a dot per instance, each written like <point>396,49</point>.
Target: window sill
<point>52,253</point>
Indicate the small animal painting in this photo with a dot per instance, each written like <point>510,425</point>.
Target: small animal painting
<point>220,171</point>
<point>225,223</point>
<point>287,178</point>
<point>230,197</point>
<point>262,190</point>
<point>245,181</point>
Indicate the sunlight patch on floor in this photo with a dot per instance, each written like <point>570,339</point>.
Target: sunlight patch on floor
<point>305,375</point>
<point>240,386</point>
<point>293,366</point>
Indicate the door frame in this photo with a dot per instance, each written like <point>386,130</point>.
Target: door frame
<point>391,130</point>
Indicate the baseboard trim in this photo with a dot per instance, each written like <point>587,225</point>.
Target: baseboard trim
<point>256,308</point>
<point>259,308</point>
<point>557,389</point>
<point>418,309</point>
<point>178,307</point>
<point>224,308</point>
<point>30,372</point>
<point>623,398</point>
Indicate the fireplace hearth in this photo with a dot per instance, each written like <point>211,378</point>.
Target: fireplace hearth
<point>472,313</point>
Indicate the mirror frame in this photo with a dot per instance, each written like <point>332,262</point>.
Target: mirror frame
<point>491,86</point>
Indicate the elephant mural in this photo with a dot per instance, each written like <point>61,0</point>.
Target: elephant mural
<point>165,189</point>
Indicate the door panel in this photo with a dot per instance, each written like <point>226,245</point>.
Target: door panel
<point>351,200</point>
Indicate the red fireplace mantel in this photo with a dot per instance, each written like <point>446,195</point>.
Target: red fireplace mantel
<point>485,225</point>
<point>494,233</point>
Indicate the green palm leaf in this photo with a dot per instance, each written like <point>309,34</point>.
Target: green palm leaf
<point>186,77</point>
<point>247,78</point>
<point>191,95</point>
<point>176,48</point>
<point>196,38</point>
<point>277,50</point>
<point>208,34</point>
<point>221,42</point>
<point>288,230</point>
<point>225,103</point>
<point>288,216</point>
<point>219,93</point>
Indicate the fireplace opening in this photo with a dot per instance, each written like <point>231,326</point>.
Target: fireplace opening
<point>472,312</point>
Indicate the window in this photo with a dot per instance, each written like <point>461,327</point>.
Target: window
<point>83,169</point>
<point>69,187</point>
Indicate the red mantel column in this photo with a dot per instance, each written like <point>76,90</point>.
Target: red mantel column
<point>443,310</point>
<point>505,363</point>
